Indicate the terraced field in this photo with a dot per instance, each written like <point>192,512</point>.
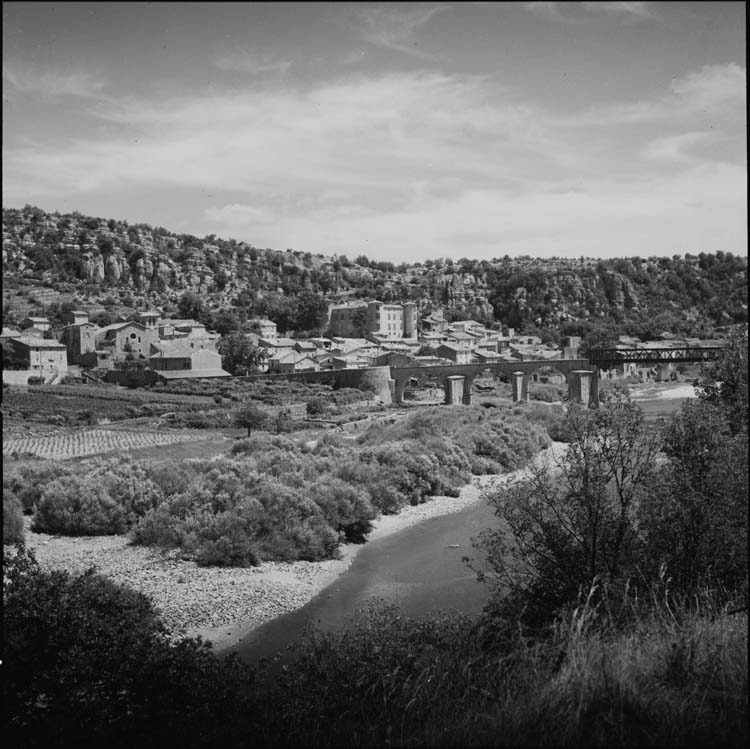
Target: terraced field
<point>80,443</point>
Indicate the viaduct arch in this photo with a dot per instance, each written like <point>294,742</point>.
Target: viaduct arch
<point>583,384</point>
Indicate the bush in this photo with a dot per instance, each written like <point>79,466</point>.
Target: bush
<point>88,663</point>
<point>347,508</point>
<point>540,391</point>
<point>79,506</point>
<point>28,482</point>
<point>233,516</point>
<point>259,443</point>
<point>317,406</point>
<point>12,518</point>
<point>172,477</point>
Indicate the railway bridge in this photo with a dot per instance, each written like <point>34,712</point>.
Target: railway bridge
<point>608,357</point>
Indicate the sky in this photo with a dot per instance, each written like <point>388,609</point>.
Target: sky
<point>402,131</point>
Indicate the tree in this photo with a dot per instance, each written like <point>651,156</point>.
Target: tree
<point>225,322</point>
<point>88,662</point>
<point>238,355</point>
<point>310,311</point>
<point>724,383</point>
<point>191,306</point>
<point>695,516</point>
<point>250,416</point>
<point>570,524</point>
<point>602,336</point>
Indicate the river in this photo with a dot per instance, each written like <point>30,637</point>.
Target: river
<point>419,567</point>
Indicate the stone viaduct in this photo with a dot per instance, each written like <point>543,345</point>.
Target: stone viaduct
<point>583,381</point>
<point>390,382</point>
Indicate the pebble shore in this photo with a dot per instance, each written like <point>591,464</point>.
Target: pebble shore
<point>216,603</point>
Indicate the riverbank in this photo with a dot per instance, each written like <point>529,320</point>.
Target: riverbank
<point>662,391</point>
<point>223,605</point>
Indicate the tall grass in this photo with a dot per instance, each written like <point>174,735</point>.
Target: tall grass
<point>668,675</point>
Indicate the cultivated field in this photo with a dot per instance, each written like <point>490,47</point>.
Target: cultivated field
<point>77,444</point>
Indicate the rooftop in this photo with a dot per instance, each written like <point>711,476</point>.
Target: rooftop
<point>191,374</point>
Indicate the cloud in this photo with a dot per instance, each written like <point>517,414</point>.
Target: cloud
<point>568,12</point>
<point>676,148</point>
<point>31,80</point>
<point>629,12</point>
<point>237,215</point>
<point>244,61</point>
<point>713,90</point>
<point>553,11</point>
<point>700,209</point>
<point>393,27</point>
<point>712,85</point>
<point>379,164</point>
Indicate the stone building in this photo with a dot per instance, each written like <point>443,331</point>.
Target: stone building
<point>46,359</point>
<point>79,339</point>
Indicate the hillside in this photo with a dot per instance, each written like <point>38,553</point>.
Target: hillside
<point>50,258</point>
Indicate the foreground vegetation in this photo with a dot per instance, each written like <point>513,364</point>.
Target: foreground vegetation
<point>617,617</point>
<point>88,662</point>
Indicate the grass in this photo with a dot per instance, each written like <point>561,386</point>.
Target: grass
<point>665,678</point>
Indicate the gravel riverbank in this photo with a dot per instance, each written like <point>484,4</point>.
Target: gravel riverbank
<point>224,604</point>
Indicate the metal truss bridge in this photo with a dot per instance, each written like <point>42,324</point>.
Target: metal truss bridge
<point>605,358</point>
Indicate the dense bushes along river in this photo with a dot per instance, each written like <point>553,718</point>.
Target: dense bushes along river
<point>277,499</point>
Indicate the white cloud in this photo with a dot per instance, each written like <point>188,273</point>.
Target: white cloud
<point>576,13</point>
<point>238,216</point>
<point>701,209</point>
<point>713,90</point>
<point>244,61</point>
<point>628,11</point>
<point>392,26</point>
<point>381,165</point>
<point>712,85</point>
<point>677,148</point>
<point>28,80</point>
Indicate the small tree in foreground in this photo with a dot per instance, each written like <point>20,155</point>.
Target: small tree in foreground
<point>250,416</point>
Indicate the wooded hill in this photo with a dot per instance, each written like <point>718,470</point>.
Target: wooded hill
<point>90,262</point>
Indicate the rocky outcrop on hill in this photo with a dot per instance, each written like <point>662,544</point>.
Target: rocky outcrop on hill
<point>140,261</point>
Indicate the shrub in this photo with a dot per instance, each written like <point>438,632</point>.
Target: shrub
<point>28,482</point>
<point>79,506</point>
<point>317,406</point>
<point>347,508</point>
<point>131,488</point>
<point>539,391</point>
<point>88,663</point>
<point>171,476</point>
<point>12,518</point>
<point>231,515</point>
<point>259,443</point>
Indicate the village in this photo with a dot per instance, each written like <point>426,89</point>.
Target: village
<point>359,335</point>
